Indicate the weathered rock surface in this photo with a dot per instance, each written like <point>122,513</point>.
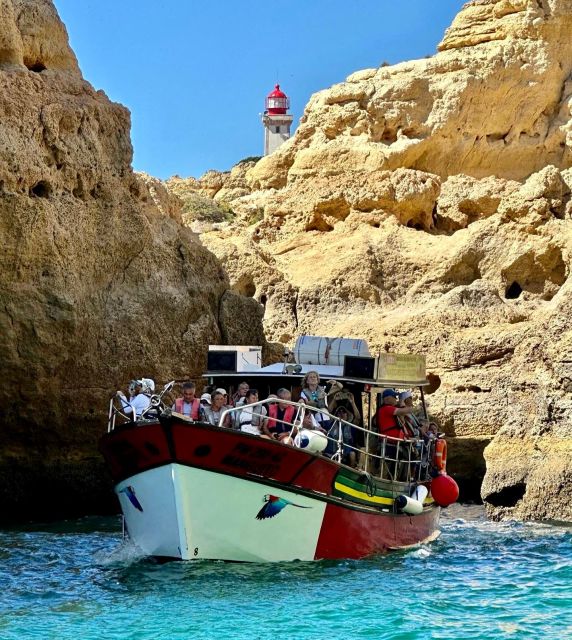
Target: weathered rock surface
<point>99,282</point>
<point>426,207</point>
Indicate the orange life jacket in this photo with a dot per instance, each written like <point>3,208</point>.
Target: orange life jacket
<point>273,415</point>
<point>195,404</point>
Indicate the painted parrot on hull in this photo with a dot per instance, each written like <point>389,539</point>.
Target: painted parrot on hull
<point>273,505</point>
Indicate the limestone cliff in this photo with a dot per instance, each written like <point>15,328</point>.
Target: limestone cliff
<point>426,207</point>
<point>99,281</point>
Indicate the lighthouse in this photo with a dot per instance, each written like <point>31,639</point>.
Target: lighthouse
<point>276,120</point>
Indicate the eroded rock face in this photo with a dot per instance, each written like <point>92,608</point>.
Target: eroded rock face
<point>426,207</point>
<point>99,282</point>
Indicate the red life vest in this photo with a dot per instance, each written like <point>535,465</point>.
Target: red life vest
<point>195,404</point>
<point>273,413</point>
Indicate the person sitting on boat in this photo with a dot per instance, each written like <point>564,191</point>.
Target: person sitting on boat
<point>205,401</point>
<point>348,452</point>
<point>212,412</point>
<point>188,405</point>
<point>281,416</point>
<point>429,431</point>
<point>253,419</point>
<point>307,423</point>
<point>139,400</point>
<point>240,394</point>
<point>314,396</point>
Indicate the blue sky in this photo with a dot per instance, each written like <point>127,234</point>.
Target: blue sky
<point>194,74</point>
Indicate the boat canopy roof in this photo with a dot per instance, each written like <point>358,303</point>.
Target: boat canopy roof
<point>326,372</point>
<point>346,359</point>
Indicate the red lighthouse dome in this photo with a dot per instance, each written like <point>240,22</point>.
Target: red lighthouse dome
<point>277,102</point>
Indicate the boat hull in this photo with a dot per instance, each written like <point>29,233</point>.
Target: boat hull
<point>194,491</point>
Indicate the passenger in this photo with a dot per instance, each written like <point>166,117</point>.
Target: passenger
<point>238,397</point>
<point>411,421</point>
<point>348,452</point>
<point>314,396</point>
<point>227,403</point>
<point>388,424</point>
<point>388,412</point>
<point>307,422</point>
<point>310,422</point>
<point>188,405</point>
<point>205,401</point>
<point>281,416</point>
<point>253,419</point>
<point>212,412</point>
<point>429,431</point>
<point>338,396</point>
<point>139,397</point>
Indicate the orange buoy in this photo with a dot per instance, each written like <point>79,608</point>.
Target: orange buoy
<point>440,455</point>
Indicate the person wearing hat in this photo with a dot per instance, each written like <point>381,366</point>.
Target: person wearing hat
<point>412,422</point>
<point>390,425</point>
<point>387,415</point>
<point>138,400</point>
<point>338,396</point>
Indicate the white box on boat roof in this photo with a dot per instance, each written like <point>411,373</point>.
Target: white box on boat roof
<point>234,358</point>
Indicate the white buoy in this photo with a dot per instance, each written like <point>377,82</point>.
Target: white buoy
<point>309,440</point>
<point>408,505</point>
<point>420,493</point>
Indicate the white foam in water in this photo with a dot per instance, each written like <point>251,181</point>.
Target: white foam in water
<point>125,553</point>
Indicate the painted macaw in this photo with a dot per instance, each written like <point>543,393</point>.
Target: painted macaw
<point>273,505</point>
<point>130,493</point>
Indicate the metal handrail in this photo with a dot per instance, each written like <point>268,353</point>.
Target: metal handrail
<point>394,460</point>
<point>422,448</point>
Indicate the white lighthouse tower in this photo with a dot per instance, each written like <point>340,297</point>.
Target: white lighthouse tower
<point>276,120</point>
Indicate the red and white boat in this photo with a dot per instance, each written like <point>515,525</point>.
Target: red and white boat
<point>189,489</point>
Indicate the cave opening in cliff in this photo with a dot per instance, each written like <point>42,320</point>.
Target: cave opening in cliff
<point>41,189</point>
<point>36,67</point>
<point>508,496</point>
<point>513,291</point>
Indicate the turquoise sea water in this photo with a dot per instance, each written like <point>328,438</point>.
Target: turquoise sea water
<point>478,580</point>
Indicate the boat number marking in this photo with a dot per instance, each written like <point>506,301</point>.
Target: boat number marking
<point>196,551</point>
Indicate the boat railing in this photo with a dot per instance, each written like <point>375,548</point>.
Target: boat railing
<point>391,459</point>
<point>156,405</point>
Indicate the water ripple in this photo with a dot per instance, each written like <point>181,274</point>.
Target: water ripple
<point>479,580</point>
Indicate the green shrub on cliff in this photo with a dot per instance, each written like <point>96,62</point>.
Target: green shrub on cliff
<point>203,208</point>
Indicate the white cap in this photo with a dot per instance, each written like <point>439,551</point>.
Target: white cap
<point>223,391</point>
<point>207,397</point>
<point>147,384</point>
<point>404,395</point>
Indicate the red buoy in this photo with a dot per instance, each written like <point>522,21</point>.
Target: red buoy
<point>444,490</point>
